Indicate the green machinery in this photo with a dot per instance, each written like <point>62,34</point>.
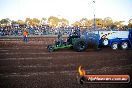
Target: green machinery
<point>61,44</point>
<point>73,41</point>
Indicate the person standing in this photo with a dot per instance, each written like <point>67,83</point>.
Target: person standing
<point>25,36</point>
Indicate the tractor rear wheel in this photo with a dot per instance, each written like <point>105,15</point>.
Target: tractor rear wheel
<point>80,45</point>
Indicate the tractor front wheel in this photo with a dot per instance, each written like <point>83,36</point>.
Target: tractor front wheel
<point>50,48</point>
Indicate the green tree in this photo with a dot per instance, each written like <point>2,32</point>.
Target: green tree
<point>77,23</point>
<point>28,21</point>
<point>119,24</point>
<point>63,22</point>
<point>108,22</point>
<point>130,23</point>
<point>32,22</point>
<point>36,21</point>
<point>20,22</point>
<point>84,22</point>
<point>53,21</point>
<point>5,22</point>
<point>99,23</point>
<point>43,20</point>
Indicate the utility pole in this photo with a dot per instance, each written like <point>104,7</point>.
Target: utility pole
<point>94,16</point>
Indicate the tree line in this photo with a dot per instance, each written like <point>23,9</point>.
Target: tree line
<point>63,22</point>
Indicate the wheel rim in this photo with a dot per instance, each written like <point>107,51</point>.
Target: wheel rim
<point>105,42</point>
<point>124,45</point>
<point>82,46</point>
<point>115,46</point>
<point>50,48</point>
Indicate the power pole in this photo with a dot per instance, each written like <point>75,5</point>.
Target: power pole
<point>94,16</point>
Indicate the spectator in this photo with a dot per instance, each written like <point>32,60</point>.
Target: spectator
<point>25,36</point>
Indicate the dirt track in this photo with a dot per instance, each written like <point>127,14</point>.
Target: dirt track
<point>31,66</point>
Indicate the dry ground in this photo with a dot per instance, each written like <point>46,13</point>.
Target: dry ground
<point>31,66</point>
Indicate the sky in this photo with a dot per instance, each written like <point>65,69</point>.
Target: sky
<point>73,10</point>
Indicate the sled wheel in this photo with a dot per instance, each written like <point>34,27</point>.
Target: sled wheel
<point>124,45</point>
<point>114,46</point>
